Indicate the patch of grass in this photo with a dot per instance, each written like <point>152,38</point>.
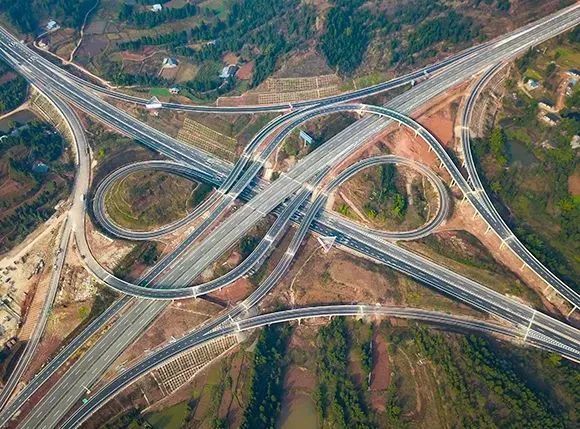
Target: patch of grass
<point>533,74</point>
<point>251,129</point>
<point>370,79</point>
<point>567,56</point>
<point>519,134</point>
<point>159,92</point>
<point>172,417</point>
<point>344,210</point>
<point>145,200</point>
<point>347,85</point>
<point>220,7</point>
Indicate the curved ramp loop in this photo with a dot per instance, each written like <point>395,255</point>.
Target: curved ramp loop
<point>414,234</point>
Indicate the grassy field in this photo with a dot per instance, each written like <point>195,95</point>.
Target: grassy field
<point>370,79</point>
<point>146,200</point>
<point>170,418</point>
<point>220,7</point>
<point>568,56</point>
<point>532,74</point>
<point>159,92</point>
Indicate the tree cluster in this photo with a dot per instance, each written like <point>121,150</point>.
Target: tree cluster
<point>114,72</point>
<point>13,93</point>
<point>574,35</point>
<point>503,5</point>
<point>26,217</point>
<point>386,199</point>
<point>338,400</point>
<point>25,14</point>
<point>466,400</point>
<point>152,19</point>
<point>265,391</point>
<point>247,245</point>
<point>350,27</point>
<point>526,408</point>
<point>145,252</point>
<point>498,146</point>
<point>37,141</point>
<point>170,39</point>
<point>526,60</point>
<point>280,26</point>
<point>556,166</point>
<point>347,35</point>
<point>393,410</point>
<point>452,27</point>
<point>487,391</point>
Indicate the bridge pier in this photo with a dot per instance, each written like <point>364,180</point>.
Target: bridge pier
<point>530,326</point>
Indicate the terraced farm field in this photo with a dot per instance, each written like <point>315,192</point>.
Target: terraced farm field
<point>208,139</point>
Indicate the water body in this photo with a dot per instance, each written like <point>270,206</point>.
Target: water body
<point>20,118</point>
<point>299,413</point>
<point>520,154</point>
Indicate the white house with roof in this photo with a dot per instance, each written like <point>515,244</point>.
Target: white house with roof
<point>229,71</point>
<point>547,105</point>
<point>574,73</point>
<point>169,63</point>
<point>156,7</point>
<point>532,84</point>
<point>51,25</point>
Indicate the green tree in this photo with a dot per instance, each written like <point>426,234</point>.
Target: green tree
<point>347,35</point>
<point>498,146</point>
<point>393,409</point>
<point>265,390</point>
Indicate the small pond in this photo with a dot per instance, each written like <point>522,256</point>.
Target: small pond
<point>21,117</point>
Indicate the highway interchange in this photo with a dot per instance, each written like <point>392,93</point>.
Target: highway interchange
<point>288,198</point>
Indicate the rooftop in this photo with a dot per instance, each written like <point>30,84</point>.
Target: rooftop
<point>229,71</point>
<point>169,62</point>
